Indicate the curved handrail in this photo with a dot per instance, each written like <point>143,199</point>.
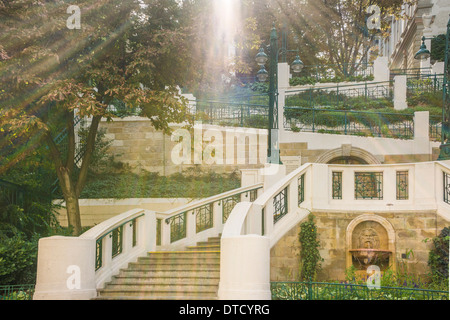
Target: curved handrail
<point>103,229</point>
<point>200,203</point>
<point>132,234</point>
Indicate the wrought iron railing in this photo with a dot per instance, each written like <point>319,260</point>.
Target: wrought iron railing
<point>344,291</point>
<point>425,83</point>
<point>436,128</point>
<point>280,205</point>
<point>343,71</point>
<point>411,72</point>
<point>116,234</point>
<point>343,96</point>
<point>301,189</point>
<point>17,292</point>
<point>402,185</point>
<point>204,214</point>
<point>369,185</point>
<point>446,187</point>
<point>234,114</point>
<point>228,205</point>
<point>359,123</point>
<point>337,185</point>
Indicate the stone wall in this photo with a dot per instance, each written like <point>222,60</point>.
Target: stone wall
<point>136,142</point>
<point>410,229</point>
<point>296,154</point>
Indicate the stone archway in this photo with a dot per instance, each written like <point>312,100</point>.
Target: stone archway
<point>385,236</point>
<point>347,151</point>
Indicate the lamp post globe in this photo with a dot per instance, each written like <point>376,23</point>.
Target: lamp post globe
<point>261,57</point>
<point>423,53</point>
<point>297,65</point>
<point>262,75</point>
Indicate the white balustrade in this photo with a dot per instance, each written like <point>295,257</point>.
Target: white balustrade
<point>258,226</point>
<point>75,267</point>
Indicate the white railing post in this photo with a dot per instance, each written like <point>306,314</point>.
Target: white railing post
<point>191,224</point>
<point>217,215</point>
<point>400,90</point>
<point>107,255</point>
<point>164,232</point>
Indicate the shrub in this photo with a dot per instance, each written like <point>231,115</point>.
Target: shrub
<point>18,260</point>
<point>438,259</point>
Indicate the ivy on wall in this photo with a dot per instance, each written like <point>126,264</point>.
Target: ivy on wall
<point>310,258</point>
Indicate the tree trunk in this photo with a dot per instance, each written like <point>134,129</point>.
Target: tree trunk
<point>71,199</point>
<point>67,186</point>
<point>73,214</point>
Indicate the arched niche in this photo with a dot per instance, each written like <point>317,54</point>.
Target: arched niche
<point>370,232</point>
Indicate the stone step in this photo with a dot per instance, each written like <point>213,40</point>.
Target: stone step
<point>210,242</point>
<point>192,274</point>
<point>183,254</point>
<point>178,261</point>
<point>170,273</point>
<point>163,287</point>
<point>138,297</point>
<point>128,280</point>
<point>183,267</point>
<point>173,259</point>
<point>145,294</point>
<point>206,247</point>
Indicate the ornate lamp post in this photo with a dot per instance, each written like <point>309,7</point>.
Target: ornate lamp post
<point>424,54</point>
<point>273,152</point>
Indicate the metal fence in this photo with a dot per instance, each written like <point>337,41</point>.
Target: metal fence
<point>411,72</point>
<point>345,70</point>
<point>425,83</point>
<point>343,291</point>
<point>368,95</point>
<point>436,128</point>
<point>235,114</point>
<point>17,292</point>
<point>347,122</point>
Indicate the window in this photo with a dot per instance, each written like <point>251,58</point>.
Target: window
<point>301,189</point>
<point>280,205</point>
<point>369,185</point>
<point>337,185</point>
<point>402,185</point>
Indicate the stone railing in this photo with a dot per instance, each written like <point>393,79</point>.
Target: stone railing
<point>254,228</point>
<point>75,267</point>
<point>251,223</point>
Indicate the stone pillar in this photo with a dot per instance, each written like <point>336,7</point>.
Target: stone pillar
<point>400,90</point>
<point>245,268</point>
<point>381,70</point>
<point>422,132</point>
<point>284,75</point>
<point>66,269</point>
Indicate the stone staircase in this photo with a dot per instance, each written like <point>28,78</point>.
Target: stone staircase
<point>192,274</point>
